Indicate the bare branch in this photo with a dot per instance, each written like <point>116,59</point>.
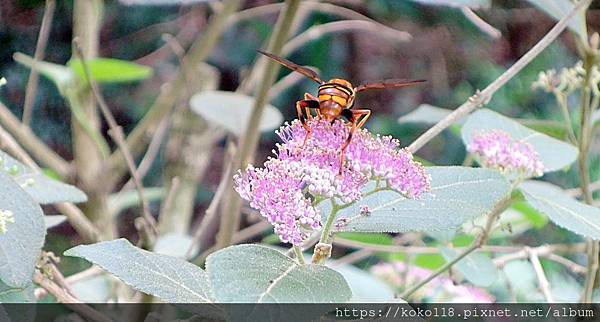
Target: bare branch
<point>483,97</point>
<point>72,302</point>
<point>40,48</point>
<point>541,276</point>
<point>116,133</point>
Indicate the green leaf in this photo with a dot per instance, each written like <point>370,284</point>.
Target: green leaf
<point>457,194</point>
<point>554,129</point>
<point>536,218</point>
<point>522,279</point>
<point>110,70</point>
<point>560,8</point>
<point>22,242</point>
<point>171,279</point>
<point>365,287</point>
<point>475,267</point>
<point>43,189</point>
<point>60,75</point>
<point>562,209</point>
<point>553,153</point>
<point>429,261</point>
<point>458,3</point>
<point>232,111</point>
<point>258,274</point>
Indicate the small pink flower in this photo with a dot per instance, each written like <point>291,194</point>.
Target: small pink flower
<point>496,149</point>
<point>283,191</point>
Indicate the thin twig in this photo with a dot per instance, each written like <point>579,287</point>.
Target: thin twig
<point>40,48</point>
<point>62,296</point>
<point>319,31</point>
<point>168,202</point>
<point>479,241</point>
<point>116,133</point>
<point>569,264</point>
<point>541,276</point>
<point>485,27</point>
<point>211,211</point>
<point>151,153</point>
<point>483,97</point>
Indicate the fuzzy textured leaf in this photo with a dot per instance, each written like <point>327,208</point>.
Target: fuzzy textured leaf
<point>457,194</point>
<point>43,189</point>
<point>562,209</point>
<point>258,274</point>
<point>475,267</point>
<point>232,111</point>
<point>554,154</point>
<point>110,70</point>
<point>171,279</point>
<point>22,242</point>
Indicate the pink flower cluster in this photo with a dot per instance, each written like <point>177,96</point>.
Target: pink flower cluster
<point>284,190</point>
<point>440,289</point>
<point>496,149</point>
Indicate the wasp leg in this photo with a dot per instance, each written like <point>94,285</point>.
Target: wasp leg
<point>306,105</point>
<point>358,118</point>
<point>310,97</point>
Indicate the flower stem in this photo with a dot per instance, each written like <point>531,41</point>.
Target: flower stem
<point>299,255</point>
<point>329,224</point>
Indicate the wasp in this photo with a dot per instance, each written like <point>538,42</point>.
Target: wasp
<point>335,99</point>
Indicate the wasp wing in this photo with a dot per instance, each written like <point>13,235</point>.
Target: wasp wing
<point>388,83</point>
<point>297,68</point>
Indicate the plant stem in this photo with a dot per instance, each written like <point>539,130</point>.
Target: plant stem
<point>483,97</point>
<point>230,219</point>
<point>481,239</point>
<point>328,225</point>
<point>299,255</point>
<point>88,159</point>
<point>585,137</point>
<point>40,48</point>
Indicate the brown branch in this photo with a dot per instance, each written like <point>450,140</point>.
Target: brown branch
<point>40,48</point>
<point>116,133</point>
<point>63,296</point>
<point>541,276</point>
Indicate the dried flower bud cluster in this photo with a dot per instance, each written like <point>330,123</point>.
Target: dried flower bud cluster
<point>496,149</point>
<point>284,190</point>
<point>6,217</point>
<point>567,80</point>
